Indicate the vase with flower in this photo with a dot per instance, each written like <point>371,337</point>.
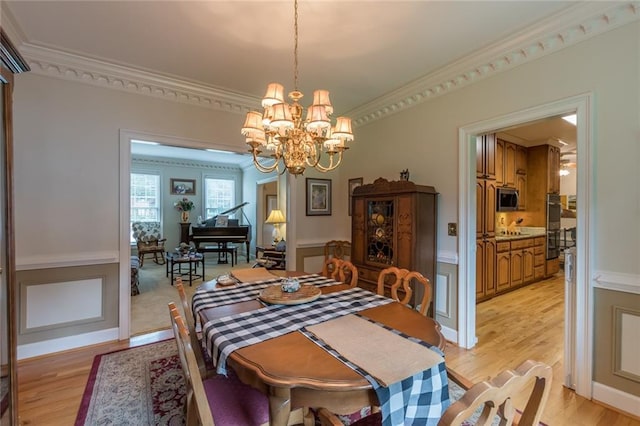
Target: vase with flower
<point>184,206</point>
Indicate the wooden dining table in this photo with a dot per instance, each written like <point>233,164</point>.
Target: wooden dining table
<point>296,373</point>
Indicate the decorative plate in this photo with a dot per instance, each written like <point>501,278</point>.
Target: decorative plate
<point>275,296</point>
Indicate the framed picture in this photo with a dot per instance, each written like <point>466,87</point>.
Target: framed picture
<point>353,184</point>
<point>272,204</point>
<point>318,197</point>
<point>183,186</point>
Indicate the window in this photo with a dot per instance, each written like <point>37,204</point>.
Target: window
<point>145,198</point>
<point>220,195</point>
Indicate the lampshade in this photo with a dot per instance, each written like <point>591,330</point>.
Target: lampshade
<point>274,95</point>
<point>275,216</point>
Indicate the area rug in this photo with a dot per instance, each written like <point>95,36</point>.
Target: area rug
<point>137,386</point>
<point>4,394</point>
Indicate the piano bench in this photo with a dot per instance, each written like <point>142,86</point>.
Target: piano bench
<point>223,250</point>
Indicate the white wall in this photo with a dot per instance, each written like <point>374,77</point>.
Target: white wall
<point>67,164</point>
<point>424,138</point>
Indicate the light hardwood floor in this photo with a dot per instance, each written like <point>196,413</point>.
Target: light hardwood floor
<point>527,323</point>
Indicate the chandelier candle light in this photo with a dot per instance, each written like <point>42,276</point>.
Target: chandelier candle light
<point>285,133</point>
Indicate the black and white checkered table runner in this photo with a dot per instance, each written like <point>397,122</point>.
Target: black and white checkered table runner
<point>224,335</point>
<point>420,399</point>
<point>204,299</point>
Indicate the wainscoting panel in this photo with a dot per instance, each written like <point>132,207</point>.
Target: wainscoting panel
<point>626,348</point>
<point>47,304</point>
<point>58,304</point>
<point>616,341</point>
<point>442,292</point>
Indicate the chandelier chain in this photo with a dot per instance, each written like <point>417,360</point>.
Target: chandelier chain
<point>295,46</point>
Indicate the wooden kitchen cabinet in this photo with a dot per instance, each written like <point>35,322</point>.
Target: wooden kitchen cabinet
<point>485,269</point>
<point>486,156</point>
<point>527,265</point>
<point>543,163</point>
<point>516,268</point>
<point>485,208</point>
<point>521,186</point>
<point>521,160</point>
<point>505,163</point>
<point>393,223</point>
<point>553,169</point>
<point>503,271</point>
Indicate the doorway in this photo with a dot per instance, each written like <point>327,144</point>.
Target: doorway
<point>582,106</point>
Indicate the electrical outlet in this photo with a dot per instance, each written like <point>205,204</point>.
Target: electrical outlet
<point>452,229</point>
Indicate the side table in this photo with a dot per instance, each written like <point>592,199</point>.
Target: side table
<point>175,262</point>
<point>274,259</point>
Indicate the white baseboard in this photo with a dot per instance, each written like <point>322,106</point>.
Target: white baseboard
<point>450,334</point>
<point>616,398</point>
<point>30,350</point>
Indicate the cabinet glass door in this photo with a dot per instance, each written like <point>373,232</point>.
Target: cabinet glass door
<point>380,232</point>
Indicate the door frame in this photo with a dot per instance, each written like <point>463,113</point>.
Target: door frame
<point>582,105</point>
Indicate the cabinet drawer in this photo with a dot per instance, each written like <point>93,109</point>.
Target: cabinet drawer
<point>504,246</point>
<point>538,272</point>
<point>538,250</point>
<point>368,274</point>
<point>538,241</point>
<point>538,260</point>
<point>520,244</point>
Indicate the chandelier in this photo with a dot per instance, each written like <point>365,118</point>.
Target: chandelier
<point>289,136</point>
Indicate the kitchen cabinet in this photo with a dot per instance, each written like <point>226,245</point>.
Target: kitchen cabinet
<point>505,163</point>
<point>485,268</point>
<point>503,271</point>
<point>485,208</point>
<point>516,263</point>
<point>521,186</point>
<point>527,265</point>
<point>394,224</point>
<point>486,156</point>
<point>515,278</point>
<point>538,258</point>
<point>543,164</point>
<point>521,160</point>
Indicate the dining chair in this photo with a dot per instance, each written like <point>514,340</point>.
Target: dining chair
<point>482,401</point>
<point>205,365</point>
<point>402,278</point>
<point>334,249</point>
<point>219,400</point>
<point>342,271</point>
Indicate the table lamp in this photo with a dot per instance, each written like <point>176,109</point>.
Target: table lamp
<point>275,218</point>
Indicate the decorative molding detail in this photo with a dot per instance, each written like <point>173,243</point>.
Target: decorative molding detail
<point>151,162</point>
<point>26,263</point>
<point>616,398</point>
<point>571,26</point>
<point>450,257</point>
<point>626,343</point>
<point>574,25</point>
<point>449,334</point>
<point>443,295</point>
<point>69,66</point>
<point>617,281</point>
<point>30,350</point>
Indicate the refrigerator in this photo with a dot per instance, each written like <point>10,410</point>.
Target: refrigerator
<point>569,317</point>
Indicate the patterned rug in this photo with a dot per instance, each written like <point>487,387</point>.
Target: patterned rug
<point>138,386</point>
<point>4,394</point>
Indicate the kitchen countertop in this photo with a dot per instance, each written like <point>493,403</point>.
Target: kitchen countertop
<point>528,232</point>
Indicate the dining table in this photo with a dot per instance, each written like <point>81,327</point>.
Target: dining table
<point>292,369</point>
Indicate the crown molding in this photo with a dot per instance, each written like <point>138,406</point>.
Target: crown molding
<point>571,26</point>
<point>69,66</point>
<point>142,160</point>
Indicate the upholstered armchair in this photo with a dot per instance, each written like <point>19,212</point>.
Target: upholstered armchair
<point>149,241</point>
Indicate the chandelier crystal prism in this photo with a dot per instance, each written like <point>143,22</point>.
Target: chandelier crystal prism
<point>292,138</point>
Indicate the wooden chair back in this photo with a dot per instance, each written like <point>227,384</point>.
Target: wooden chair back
<point>335,249</point>
<point>496,397</point>
<point>197,405</point>
<point>196,343</point>
<point>402,278</point>
<point>342,271</point>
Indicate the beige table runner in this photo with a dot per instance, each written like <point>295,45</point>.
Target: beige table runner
<point>253,274</point>
<point>383,354</point>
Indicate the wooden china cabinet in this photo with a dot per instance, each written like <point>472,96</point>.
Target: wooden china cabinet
<point>394,224</point>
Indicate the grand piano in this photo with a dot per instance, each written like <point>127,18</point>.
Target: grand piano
<point>208,232</point>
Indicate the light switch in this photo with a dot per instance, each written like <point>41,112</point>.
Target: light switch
<point>452,229</point>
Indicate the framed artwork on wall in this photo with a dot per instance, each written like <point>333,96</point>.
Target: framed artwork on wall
<point>183,186</point>
<point>353,184</point>
<point>318,197</point>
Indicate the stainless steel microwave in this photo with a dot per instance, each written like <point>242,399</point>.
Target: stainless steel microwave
<point>507,199</point>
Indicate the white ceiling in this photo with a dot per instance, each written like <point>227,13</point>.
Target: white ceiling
<point>358,50</point>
